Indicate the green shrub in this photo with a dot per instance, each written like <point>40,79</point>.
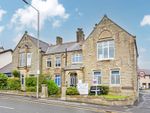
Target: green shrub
<point>72,91</point>
<point>3,81</point>
<point>13,84</point>
<point>52,87</point>
<point>105,89</point>
<point>16,73</point>
<point>31,81</point>
<point>31,89</point>
<point>31,84</point>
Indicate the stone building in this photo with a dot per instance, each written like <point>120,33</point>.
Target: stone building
<point>108,56</point>
<point>144,78</point>
<point>25,57</point>
<point>5,57</point>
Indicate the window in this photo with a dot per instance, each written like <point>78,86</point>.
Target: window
<point>29,58</point>
<point>105,50</point>
<point>97,77</point>
<point>48,63</point>
<point>58,80</point>
<point>77,58</point>
<point>58,62</point>
<point>73,79</point>
<point>22,59</point>
<point>115,77</point>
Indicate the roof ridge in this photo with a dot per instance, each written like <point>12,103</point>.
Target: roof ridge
<point>37,39</point>
<point>64,43</point>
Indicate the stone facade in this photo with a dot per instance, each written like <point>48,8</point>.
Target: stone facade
<point>144,78</point>
<point>124,58</point>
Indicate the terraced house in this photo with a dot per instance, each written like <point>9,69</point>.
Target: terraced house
<point>108,56</point>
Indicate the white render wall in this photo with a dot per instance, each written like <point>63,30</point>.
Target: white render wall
<point>5,58</point>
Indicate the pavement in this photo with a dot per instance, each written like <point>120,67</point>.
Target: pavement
<point>20,104</point>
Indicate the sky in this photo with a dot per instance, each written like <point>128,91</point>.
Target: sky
<point>63,17</point>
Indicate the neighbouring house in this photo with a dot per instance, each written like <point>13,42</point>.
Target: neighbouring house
<point>5,57</point>
<point>25,57</point>
<point>144,78</point>
<point>7,70</point>
<point>108,56</point>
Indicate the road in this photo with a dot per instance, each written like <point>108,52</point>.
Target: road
<point>144,104</point>
<point>12,104</point>
<point>19,104</point>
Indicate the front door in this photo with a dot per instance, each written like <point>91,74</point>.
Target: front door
<point>73,79</point>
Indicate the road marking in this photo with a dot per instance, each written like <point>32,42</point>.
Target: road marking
<point>6,107</point>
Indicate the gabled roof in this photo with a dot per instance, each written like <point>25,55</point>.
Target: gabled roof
<point>6,69</point>
<point>43,45</point>
<point>71,46</point>
<point>8,50</point>
<point>146,71</point>
<point>106,18</point>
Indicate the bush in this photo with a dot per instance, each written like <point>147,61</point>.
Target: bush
<point>31,81</point>
<point>105,90</point>
<point>52,87</point>
<point>3,81</point>
<point>13,84</point>
<point>72,91</point>
<point>31,84</point>
<point>16,73</point>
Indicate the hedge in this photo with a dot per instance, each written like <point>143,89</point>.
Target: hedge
<point>3,81</point>
<point>13,84</point>
<point>72,91</point>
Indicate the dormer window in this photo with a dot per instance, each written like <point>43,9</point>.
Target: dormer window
<point>105,50</point>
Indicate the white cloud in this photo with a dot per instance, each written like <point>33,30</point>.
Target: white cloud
<point>2,12</point>
<point>49,10</point>
<point>56,23</point>
<point>1,28</point>
<point>78,12</point>
<point>142,50</point>
<point>146,20</point>
<point>17,38</point>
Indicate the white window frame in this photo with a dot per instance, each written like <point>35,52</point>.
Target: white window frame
<point>77,57</point>
<point>56,81</point>
<point>115,78</point>
<point>48,59</point>
<point>29,61</point>
<point>22,59</point>
<point>56,62</point>
<point>97,77</point>
<point>108,47</point>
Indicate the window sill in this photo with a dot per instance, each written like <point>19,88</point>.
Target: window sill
<point>115,85</point>
<point>108,59</point>
<point>77,62</point>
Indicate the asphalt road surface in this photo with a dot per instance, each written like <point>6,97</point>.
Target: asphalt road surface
<point>19,104</point>
<point>12,104</point>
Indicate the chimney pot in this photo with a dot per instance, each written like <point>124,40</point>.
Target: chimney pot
<point>80,35</point>
<point>59,40</point>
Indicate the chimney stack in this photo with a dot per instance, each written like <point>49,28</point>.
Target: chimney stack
<point>80,35</point>
<point>59,40</point>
